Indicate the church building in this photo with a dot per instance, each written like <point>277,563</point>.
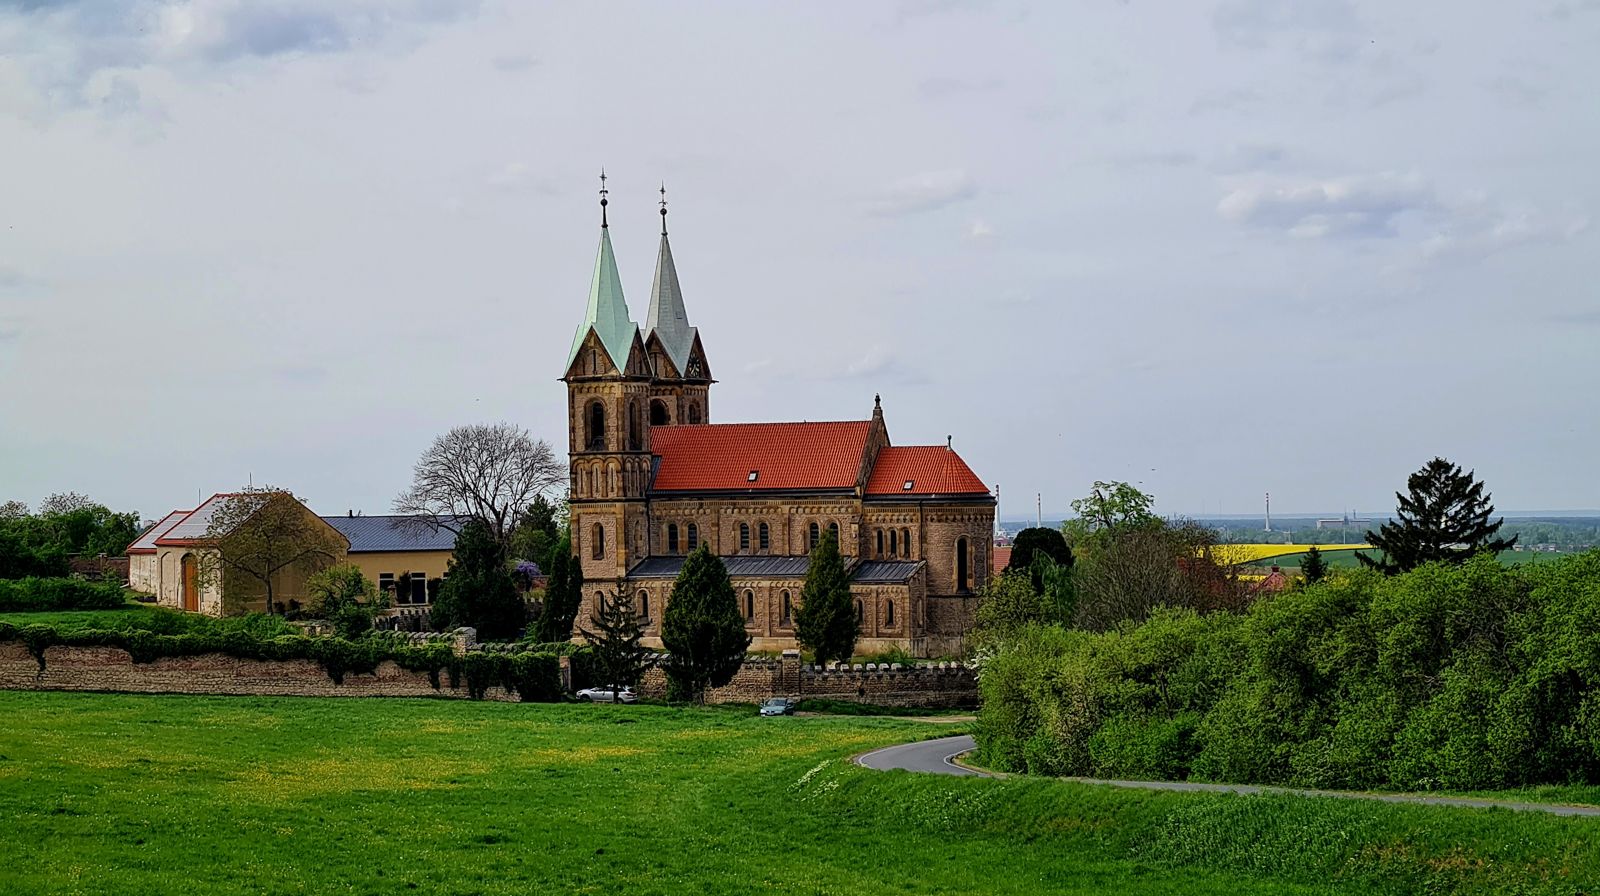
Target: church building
<point>653,478</point>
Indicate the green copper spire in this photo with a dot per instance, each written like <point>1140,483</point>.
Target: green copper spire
<point>668,319</point>
<point>607,313</point>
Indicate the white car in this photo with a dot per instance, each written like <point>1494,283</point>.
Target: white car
<point>603,695</point>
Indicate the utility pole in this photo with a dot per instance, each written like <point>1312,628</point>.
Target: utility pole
<point>1038,509</point>
<point>997,511</point>
<point>1269,511</point>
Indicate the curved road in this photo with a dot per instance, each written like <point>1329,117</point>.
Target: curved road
<point>937,756</point>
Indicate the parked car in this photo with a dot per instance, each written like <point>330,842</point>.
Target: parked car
<point>603,695</point>
<point>778,706</point>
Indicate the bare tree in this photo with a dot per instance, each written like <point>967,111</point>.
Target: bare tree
<point>261,533</point>
<point>13,510</point>
<point>490,472</point>
<point>59,504</point>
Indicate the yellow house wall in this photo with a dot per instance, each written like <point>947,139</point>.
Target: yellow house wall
<point>374,563</point>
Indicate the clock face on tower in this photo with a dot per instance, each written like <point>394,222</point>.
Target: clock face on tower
<point>695,370</point>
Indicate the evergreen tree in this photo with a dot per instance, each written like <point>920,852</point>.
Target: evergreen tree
<point>701,628</point>
<point>619,656</point>
<point>1444,517</point>
<point>479,590</point>
<point>1035,540</point>
<point>1313,567</point>
<point>826,621</point>
<point>563,595</point>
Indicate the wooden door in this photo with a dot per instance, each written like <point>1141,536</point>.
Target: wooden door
<point>191,583</point>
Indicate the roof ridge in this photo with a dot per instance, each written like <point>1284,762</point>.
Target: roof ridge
<point>765,423</point>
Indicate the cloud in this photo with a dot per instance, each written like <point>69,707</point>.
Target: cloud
<point>1481,229</point>
<point>923,192</point>
<point>514,63</point>
<point>1152,158</point>
<point>1244,157</point>
<point>1369,206</point>
<point>1328,30</point>
<point>70,49</point>
<point>1232,99</point>
<point>305,374</point>
<point>1516,91</point>
<point>12,277</point>
<point>941,88</point>
<point>518,177</point>
<point>880,364</point>
<point>979,230</point>
<point>1577,318</point>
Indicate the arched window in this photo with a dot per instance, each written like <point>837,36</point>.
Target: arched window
<point>750,606</point>
<point>888,614</point>
<point>905,543</point>
<point>765,537</point>
<point>894,544</point>
<point>672,538</point>
<point>658,413</point>
<point>597,535</point>
<point>880,542</point>
<point>815,536</point>
<point>962,583</point>
<point>834,528</point>
<point>744,536</point>
<point>644,605</point>
<point>788,610</point>
<point>635,439</point>
<point>694,536</point>
<point>861,612</point>
<point>694,412</point>
<point>597,427</point>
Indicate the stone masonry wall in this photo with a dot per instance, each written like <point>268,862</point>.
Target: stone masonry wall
<point>926,685</point>
<point>111,669</point>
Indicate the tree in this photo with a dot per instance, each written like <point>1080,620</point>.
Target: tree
<point>617,652</point>
<point>1110,508</point>
<point>1008,603</point>
<point>258,535</point>
<point>826,621</point>
<point>1313,567</point>
<point>345,598</point>
<point>13,510</point>
<point>539,530</point>
<point>58,504</point>
<point>1444,516</point>
<point>1056,587</point>
<point>1036,540</point>
<point>488,472</point>
<point>1130,573</point>
<point>563,595</point>
<point>702,629</point>
<point>478,591</point>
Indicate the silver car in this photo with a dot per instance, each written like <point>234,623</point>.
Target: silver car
<point>779,706</point>
<point>603,695</point>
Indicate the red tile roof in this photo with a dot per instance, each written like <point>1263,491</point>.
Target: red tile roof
<point>721,456</point>
<point>1002,559</point>
<point>931,470</point>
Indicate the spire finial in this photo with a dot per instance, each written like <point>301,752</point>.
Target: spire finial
<point>663,208</point>
<point>603,191</point>
<point>877,402</point>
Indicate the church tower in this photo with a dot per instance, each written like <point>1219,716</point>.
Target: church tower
<point>608,379</point>
<point>681,392</point>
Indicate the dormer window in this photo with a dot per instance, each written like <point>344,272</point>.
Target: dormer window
<point>753,475</point>
<point>910,484</point>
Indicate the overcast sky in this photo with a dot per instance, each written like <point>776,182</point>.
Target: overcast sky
<point>1216,248</point>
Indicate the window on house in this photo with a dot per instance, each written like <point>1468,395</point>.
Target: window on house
<point>754,475</point>
<point>658,413</point>
<point>880,542</point>
<point>814,537</point>
<point>765,537</point>
<point>635,440</point>
<point>750,606</point>
<point>834,528</point>
<point>419,588</point>
<point>962,582</point>
<point>744,536</point>
<point>672,538</point>
<point>597,535</point>
<point>694,536</point>
<point>644,605</point>
<point>386,586</point>
<point>861,612</point>
<point>905,543</point>
<point>597,427</point>
<point>888,614</point>
<point>694,412</point>
<point>894,544</point>
<point>788,610</point>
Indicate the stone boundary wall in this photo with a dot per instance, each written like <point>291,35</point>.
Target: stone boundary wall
<point>111,669</point>
<point>925,685</point>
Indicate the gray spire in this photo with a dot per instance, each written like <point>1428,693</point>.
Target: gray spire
<point>668,319</point>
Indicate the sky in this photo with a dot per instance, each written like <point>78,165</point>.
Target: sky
<point>1216,249</point>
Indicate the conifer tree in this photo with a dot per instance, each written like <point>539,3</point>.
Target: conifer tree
<point>617,651</point>
<point>1313,567</point>
<point>1444,516</point>
<point>826,621</point>
<point>563,594</point>
<point>479,590</point>
<point>701,628</point>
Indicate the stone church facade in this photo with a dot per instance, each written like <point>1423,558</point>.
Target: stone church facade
<point>652,478</point>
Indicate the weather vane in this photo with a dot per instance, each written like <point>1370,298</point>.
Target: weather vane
<point>603,192</point>
<point>663,209</point>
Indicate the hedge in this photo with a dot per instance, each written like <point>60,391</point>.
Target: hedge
<point>534,677</point>
<point>35,594</point>
<point>1472,677</point>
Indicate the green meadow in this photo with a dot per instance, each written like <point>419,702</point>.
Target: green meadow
<point>151,795</point>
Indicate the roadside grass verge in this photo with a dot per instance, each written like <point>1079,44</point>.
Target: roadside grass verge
<point>179,795</point>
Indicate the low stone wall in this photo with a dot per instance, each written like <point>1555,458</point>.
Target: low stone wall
<point>925,685</point>
<point>111,669</point>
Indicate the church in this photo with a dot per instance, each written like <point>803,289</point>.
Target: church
<point>653,478</point>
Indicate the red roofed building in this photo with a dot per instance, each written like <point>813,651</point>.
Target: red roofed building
<point>653,479</point>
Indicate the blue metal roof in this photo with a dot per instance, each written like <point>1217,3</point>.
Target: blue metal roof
<point>369,534</point>
<point>885,572</point>
<point>873,572</point>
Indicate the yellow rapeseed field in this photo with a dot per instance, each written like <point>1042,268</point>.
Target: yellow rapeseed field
<point>1246,554</point>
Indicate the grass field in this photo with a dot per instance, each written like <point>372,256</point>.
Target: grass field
<point>166,795</point>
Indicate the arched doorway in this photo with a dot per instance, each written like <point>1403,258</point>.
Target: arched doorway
<point>191,583</point>
<point>658,413</point>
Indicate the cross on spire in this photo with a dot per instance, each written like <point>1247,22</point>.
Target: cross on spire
<point>603,191</point>
<point>663,209</point>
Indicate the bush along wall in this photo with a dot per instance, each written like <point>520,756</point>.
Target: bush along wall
<point>1469,677</point>
<point>534,677</point>
<point>36,594</point>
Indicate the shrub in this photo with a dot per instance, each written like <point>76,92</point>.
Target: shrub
<point>34,594</point>
<point>346,598</point>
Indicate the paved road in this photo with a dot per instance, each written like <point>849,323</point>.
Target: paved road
<point>936,756</point>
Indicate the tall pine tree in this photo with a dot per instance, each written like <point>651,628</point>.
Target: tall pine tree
<point>826,621</point>
<point>1444,517</point>
<point>701,628</point>
<point>479,590</point>
<point>1314,568</point>
<point>617,652</point>
<point>563,594</point>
